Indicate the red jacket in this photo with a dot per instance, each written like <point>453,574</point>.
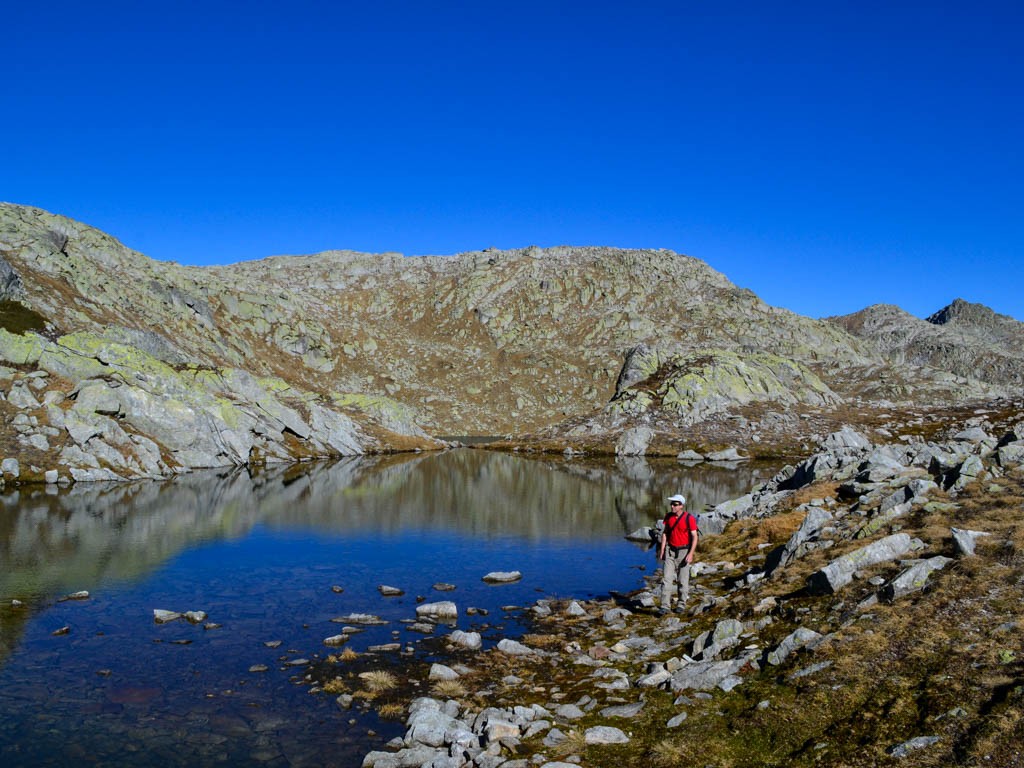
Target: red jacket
<point>680,532</point>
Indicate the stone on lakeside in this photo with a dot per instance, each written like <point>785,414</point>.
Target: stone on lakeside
<point>689,455</point>
<point>469,640</point>
<point>442,672</point>
<point>575,609</point>
<point>445,610</point>
<point>727,455</point>
<point>515,648</point>
<point>634,442</point>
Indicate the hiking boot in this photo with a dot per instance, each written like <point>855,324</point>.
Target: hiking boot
<point>662,611</point>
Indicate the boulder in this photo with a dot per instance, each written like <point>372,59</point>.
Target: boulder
<point>914,578</point>
<point>846,439</point>
<point>839,572</point>
<point>966,540</point>
<point>796,640</point>
<point>604,734</point>
<point>634,442</point>
<point>444,610</point>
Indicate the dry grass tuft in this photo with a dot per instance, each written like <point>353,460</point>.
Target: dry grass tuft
<point>575,742</point>
<point>543,641</point>
<point>379,680</point>
<point>336,685</point>
<point>669,753</point>
<point>391,711</point>
<point>778,528</point>
<point>448,689</point>
<point>348,655</point>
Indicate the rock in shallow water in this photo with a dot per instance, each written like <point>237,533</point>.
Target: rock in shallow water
<point>502,577</point>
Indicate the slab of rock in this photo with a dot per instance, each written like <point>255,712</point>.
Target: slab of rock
<point>605,734</point>
<point>634,442</point>
<point>387,591</point>
<point>729,454</point>
<point>839,572</point>
<point>914,578</point>
<point>966,540</point>
<point>365,619</point>
<point>161,616</point>
<point>502,577</point>
<point>515,648</point>
<point>705,675</point>
<point>444,610</point>
<point>470,640</point>
<point>800,638</point>
<point>336,640</point>
<point>904,749</point>
<point>846,438</point>
<point>623,710</point>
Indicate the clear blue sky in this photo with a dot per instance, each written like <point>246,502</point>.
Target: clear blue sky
<point>826,155</point>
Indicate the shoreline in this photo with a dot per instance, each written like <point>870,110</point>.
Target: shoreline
<point>840,553</point>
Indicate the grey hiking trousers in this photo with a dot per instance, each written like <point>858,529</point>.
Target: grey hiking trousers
<point>675,569</point>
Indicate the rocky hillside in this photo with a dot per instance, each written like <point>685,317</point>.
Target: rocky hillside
<point>968,340</point>
<point>119,366</point>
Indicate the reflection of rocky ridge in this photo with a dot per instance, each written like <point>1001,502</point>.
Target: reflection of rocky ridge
<point>56,542</point>
<point>53,543</point>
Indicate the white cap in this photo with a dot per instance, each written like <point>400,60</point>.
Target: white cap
<point>678,497</point>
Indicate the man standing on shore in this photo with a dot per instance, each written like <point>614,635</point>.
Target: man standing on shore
<point>676,548</point>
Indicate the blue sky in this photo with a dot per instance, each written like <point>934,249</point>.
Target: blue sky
<point>826,155</point>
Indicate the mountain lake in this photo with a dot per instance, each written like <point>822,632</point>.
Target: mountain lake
<point>271,556</point>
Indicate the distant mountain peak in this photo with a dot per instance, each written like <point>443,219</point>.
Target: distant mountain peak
<point>966,313</point>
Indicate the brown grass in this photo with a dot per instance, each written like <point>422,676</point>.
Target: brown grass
<point>335,686</point>
<point>379,680</point>
<point>448,689</point>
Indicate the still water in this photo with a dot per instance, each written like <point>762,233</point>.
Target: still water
<point>273,556</point>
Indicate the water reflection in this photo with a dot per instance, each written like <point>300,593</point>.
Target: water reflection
<point>54,542</point>
<point>260,553</point>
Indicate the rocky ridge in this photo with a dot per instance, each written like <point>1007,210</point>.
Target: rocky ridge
<point>120,366</point>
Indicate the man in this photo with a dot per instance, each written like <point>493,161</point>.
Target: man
<point>676,548</point>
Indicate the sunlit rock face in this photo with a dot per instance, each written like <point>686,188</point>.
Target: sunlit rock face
<point>121,366</point>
